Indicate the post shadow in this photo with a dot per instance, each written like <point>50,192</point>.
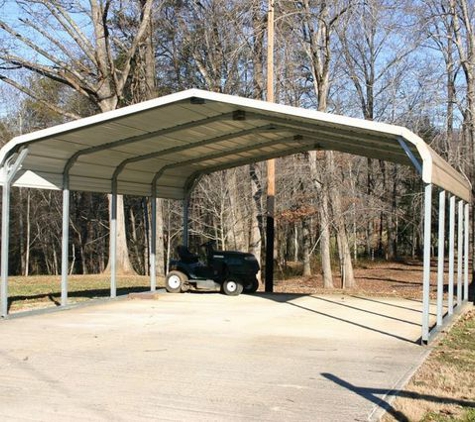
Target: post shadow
<point>55,297</point>
<point>419,311</point>
<point>370,394</point>
<point>385,333</point>
<point>366,311</point>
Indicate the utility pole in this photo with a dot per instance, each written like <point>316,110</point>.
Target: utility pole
<point>269,282</point>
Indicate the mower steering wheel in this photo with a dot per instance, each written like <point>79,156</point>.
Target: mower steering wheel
<point>207,244</point>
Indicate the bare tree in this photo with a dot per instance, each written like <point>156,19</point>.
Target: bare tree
<point>318,22</point>
<point>75,44</point>
<point>463,16</point>
<point>438,24</point>
<point>374,60</point>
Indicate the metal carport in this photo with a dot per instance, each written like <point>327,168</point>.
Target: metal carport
<point>160,148</point>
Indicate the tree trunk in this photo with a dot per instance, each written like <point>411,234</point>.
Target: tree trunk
<point>306,246</point>
<point>296,243</point>
<point>325,241</point>
<point>369,225</point>
<point>348,280</point>
<point>25,244</point>
<point>235,219</point>
<point>392,218</point>
<point>135,242</point>
<point>256,230</point>
<point>316,177</point>
<point>123,264</point>
<point>160,253</point>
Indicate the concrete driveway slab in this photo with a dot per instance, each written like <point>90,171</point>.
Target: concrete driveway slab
<point>209,357</point>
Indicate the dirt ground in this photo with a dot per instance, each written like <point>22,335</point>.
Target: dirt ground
<point>380,278</point>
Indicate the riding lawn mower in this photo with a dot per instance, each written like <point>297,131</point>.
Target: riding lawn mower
<point>227,271</point>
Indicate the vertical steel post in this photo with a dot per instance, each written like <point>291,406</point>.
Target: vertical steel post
<point>186,205</point>
<point>5,245</point>
<point>10,169</point>
<point>65,245</point>
<point>426,274</point>
<point>153,245</point>
<point>465,270</point>
<point>113,240</point>
<point>459,253</point>
<point>440,259</point>
<point>451,255</point>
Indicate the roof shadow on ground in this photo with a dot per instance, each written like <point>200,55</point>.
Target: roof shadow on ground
<point>345,305</point>
<point>383,403</point>
<point>55,297</point>
<point>419,311</point>
<point>288,297</point>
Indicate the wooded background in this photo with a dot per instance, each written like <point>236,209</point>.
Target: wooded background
<point>410,63</point>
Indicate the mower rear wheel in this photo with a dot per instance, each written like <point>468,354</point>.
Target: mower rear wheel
<point>251,286</point>
<point>232,287</point>
<point>175,282</point>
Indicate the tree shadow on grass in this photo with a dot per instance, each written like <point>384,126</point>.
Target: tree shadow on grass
<point>371,394</point>
<point>55,297</point>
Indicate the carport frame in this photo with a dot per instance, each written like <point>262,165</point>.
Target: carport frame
<point>302,130</point>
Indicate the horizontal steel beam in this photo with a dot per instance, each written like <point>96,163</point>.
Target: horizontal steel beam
<point>245,161</point>
<point>321,127</point>
<point>179,148</point>
<point>221,154</point>
<point>138,138</point>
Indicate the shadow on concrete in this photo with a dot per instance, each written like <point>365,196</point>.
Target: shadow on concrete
<point>370,394</point>
<point>287,298</point>
<point>366,311</point>
<point>55,297</point>
<point>419,311</point>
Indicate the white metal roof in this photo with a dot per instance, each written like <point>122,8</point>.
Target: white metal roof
<point>169,141</point>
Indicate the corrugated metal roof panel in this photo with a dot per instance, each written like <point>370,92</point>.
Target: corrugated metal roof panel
<point>176,136</point>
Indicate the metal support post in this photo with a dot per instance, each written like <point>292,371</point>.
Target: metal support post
<point>415,162</point>
<point>451,255</point>
<point>11,168</point>
<point>440,259</point>
<point>5,245</point>
<point>153,245</point>
<point>465,270</point>
<point>113,240</point>
<point>426,274</point>
<point>65,246</point>
<point>186,218</point>
<point>459,253</point>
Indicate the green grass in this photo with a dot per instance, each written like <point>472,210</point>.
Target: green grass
<point>458,347</point>
<point>42,291</point>
<point>467,415</point>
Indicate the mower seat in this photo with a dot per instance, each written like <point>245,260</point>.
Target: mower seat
<point>185,255</point>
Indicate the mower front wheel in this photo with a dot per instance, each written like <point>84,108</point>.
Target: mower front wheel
<point>175,282</point>
<point>232,287</point>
